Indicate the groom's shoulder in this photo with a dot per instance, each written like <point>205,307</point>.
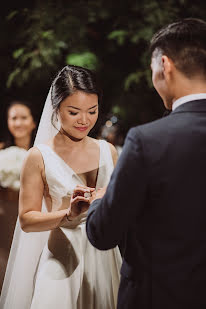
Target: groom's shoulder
<point>156,127</point>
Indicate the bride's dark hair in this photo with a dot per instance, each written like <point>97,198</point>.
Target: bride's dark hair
<point>70,79</point>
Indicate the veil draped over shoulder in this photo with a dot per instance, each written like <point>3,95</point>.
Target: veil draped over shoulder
<point>26,248</point>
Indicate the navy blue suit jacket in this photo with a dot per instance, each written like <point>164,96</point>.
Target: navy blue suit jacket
<point>156,200</point>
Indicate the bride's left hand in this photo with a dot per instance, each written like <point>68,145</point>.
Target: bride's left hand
<point>80,201</point>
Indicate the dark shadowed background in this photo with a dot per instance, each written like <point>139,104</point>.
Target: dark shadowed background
<point>111,37</point>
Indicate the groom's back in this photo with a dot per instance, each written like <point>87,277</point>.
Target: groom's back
<point>170,233</point>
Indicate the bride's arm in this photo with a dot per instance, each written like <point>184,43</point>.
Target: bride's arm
<point>31,195</point>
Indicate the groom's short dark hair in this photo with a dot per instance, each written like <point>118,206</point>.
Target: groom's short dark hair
<point>185,43</point>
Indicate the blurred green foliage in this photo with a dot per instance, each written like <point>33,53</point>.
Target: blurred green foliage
<point>86,59</point>
<point>109,37</point>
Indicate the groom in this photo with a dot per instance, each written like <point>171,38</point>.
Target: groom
<point>156,198</point>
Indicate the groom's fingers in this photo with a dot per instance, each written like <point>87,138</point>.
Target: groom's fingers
<point>99,194</point>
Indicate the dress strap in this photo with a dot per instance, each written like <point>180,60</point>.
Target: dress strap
<point>106,155</point>
<point>43,149</point>
<point>106,165</point>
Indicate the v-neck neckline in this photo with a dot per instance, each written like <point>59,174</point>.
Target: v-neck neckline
<point>71,169</point>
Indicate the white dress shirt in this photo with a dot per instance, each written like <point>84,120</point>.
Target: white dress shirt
<point>188,98</point>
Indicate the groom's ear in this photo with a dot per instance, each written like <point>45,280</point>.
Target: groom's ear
<point>168,66</point>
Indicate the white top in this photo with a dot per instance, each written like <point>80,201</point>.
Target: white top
<point>188,98</point>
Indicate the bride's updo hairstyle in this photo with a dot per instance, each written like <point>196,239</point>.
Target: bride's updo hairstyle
<point>70,79</point>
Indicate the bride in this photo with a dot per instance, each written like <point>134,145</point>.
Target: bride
<point>53,264</point>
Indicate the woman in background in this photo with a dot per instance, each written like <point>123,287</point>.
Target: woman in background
<point>21,132</point>
<point>21,126</point>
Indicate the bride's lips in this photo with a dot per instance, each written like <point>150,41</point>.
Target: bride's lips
<point>81,128</point>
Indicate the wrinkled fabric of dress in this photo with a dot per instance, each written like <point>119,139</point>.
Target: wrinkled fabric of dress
<point>71,273</point>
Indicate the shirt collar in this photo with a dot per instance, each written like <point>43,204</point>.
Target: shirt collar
<point>188,98</point>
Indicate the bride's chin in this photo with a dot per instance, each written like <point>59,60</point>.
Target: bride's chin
<point>77,138</point>
<point>74,137</point>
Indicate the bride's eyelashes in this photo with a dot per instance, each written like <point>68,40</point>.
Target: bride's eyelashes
<point>74,114</point>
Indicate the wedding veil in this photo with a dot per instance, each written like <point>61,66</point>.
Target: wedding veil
<point>27,247</point>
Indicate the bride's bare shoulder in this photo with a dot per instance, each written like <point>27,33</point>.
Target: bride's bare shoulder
<point>34,158</point>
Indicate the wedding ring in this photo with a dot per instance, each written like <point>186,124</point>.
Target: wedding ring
<point>87,194</point>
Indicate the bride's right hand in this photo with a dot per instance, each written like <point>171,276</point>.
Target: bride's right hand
<point>79,203</point>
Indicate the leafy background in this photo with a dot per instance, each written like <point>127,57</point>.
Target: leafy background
<point>111,37</point>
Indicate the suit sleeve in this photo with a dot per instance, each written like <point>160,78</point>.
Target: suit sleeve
<point>110,217</point>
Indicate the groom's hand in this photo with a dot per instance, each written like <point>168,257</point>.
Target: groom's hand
<point>98,194</point>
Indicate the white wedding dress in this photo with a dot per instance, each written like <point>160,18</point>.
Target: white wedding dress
<point>71,273</point>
